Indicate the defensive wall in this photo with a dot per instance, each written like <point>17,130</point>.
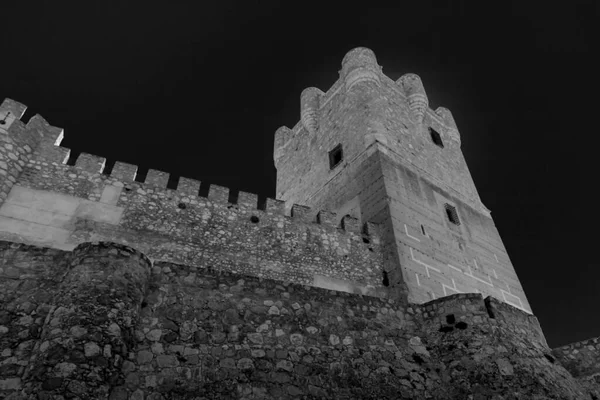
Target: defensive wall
<point>104,321</point>
<point>50,203</point>
<point>582,360</point>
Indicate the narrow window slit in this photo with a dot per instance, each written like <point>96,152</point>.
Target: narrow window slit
<point>452,214</point>
<point>436,138</point>
<point>335,156</point>
<point>385,281</point>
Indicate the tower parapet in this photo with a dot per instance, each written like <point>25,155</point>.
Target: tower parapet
<point>18,141</point>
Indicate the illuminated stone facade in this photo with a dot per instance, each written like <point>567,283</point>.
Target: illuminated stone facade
<point>366,280</point>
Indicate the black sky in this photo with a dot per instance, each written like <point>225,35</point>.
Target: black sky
<point>198,88</point>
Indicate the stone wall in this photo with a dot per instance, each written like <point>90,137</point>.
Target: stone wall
<point>103,321</point>
<point>582,360</point>
<point>439,257</point>
<point>15,148</point>
<point>58,205</point>
<point>29,278</point>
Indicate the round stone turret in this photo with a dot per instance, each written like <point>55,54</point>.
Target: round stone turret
<point>449,123</point>
<point>415,94</point>
<point>309,108</point>
<point>282,135</point>
<point>97,307</point>
<point>360,65</point>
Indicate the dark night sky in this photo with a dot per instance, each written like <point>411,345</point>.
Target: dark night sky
<point>199,91</point>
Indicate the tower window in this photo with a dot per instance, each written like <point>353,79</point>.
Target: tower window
<point>385,281</point>
<point>452,214</point>
<point>435,136</point>
<point>335,156</point>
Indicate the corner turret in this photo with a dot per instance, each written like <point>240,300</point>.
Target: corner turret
<point>282,136</point>
<point>360,65</point>
<point>309,109</point>
<point>415,95</point>
<point>448,121</point>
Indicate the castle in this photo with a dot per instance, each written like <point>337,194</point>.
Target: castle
<point>378,273</point>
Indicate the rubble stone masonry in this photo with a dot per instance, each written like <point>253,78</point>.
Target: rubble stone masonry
<point>103,321</point>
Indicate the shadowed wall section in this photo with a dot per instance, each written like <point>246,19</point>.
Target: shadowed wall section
<point>110,325</point>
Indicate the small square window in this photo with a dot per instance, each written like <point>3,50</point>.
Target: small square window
<point>336,156</point>
<point>452,214</point>
<point>436,138</point>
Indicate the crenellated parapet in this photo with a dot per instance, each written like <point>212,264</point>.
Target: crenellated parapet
<point>18,141</point>
<point>382,103</point>
<point>360,65</point>
<point>93,166</point>
<point>59,205</point>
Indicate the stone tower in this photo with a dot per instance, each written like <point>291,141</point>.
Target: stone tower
<point>371,147</point>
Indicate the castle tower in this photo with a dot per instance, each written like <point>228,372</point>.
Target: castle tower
<point>372,148</point>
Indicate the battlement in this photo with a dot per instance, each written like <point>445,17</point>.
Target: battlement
<point>359,66</point>
<point>55,204</point>
<point>219,195</point>
<point>51,152</point>
<point>399,123</point>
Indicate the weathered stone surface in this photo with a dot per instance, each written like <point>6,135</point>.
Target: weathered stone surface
<point>353,350</point>
<point>91,349</point>
<point>102,289</point>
